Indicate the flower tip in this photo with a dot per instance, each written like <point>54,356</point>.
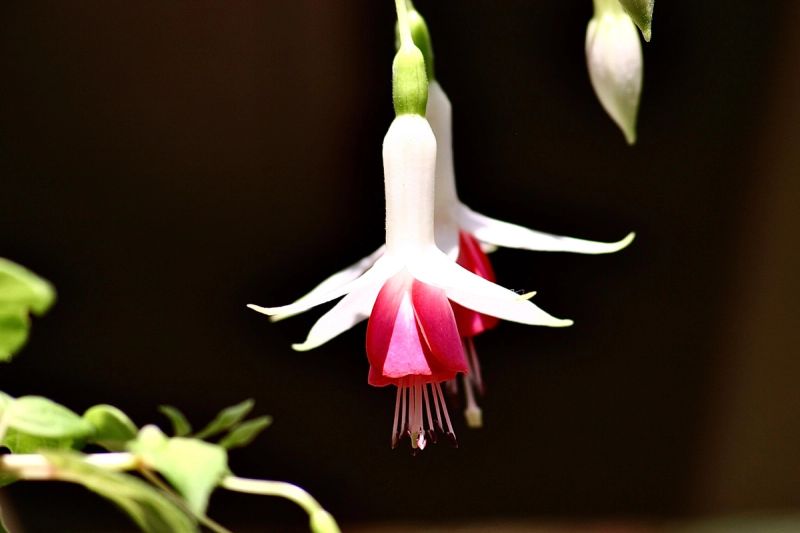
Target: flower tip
<point>627,240</point>
<point>303,346</point>
<point>630,135</point>
<point>527,295</point>
<point>259,309</point>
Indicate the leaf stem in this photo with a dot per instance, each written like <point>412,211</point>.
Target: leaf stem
<point>272,488</point>
<point>34,466</point>
<point>211,524</point>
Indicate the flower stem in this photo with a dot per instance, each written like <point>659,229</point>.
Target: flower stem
<point>402,23</point>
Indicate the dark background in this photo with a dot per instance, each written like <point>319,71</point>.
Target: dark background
<point>166,163</point>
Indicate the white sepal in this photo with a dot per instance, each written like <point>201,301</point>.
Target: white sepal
<point>337,280</point>
<point>499,233</point>
<point>476,293</point>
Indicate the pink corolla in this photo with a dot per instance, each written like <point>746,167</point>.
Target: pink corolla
<point>412,337</point>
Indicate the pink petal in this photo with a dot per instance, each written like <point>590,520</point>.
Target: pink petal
<point>472,257</point>
<point>438,326</point>
<point>394,347</point>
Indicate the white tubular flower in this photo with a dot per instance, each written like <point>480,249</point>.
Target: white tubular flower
<point>614,58</point>
<point>409,166</point>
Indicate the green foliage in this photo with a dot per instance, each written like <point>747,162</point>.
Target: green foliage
<point>19,442</point>
<point>112,428</point>
<point>21,292</point>
<point>148,507</point>
<point>192,466</point>
<point>180,425</point>
<point>2,525</point>
<point>39,417</point>
<point>244,433</point>
<point>226,419</point>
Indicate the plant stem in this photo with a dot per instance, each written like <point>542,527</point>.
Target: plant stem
<point>35,466</point>
<point>272,488</point>
<point>402,23</point>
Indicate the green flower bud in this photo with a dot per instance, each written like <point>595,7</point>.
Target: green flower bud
<point>409,82</point>
<point>422,38</point>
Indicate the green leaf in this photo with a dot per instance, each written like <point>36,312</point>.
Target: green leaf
<point>180,426</point>
<point>23,443</point>
<point>40,417</point>
<point>641,11</point>
<point>149,508</point>
<point>6,479</point>
<point>21,292</point>
<point>244,433</point>
<point>14,326</point>
<point>226,419</point>
<point>192,466</point>
<point>112,428</point>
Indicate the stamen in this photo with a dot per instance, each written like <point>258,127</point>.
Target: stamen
<point>474,364</point>
<point>439,427</point>
<point>472,413</point>
<point>395,435</point>
<point>431,433</point>
<point>403,426</point>
<point>450,433</point>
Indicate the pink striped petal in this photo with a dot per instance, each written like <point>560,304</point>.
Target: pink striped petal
<point>472,257</point>
<point>394,347</point>
<point>438,326</point>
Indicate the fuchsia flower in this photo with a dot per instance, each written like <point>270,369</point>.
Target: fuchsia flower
<point>464,236</point>
<point>413,340</point>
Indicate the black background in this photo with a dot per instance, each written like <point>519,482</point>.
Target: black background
<point>166,163</point>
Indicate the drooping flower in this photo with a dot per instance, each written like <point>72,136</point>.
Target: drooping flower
<point>614,58</point>
<point>413,340</point>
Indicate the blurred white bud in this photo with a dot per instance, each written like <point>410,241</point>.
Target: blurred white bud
<point>614,58</point>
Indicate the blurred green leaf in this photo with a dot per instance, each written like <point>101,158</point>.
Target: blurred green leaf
<point>112,428</point>
<point>23,443</point>
<point>149,508</point>
<point>226,419</point>
<point>14,326</point>
<point>192,466</point>
<point>244,433</point>
<point>21,292</point>
<point>40,417</point>
<point>5,399</point>
<point>2,525</point>
<point>180,425</point>
<point>6,478</point>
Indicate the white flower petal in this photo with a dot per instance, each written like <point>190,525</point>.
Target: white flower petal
<point>478,294</point>
<point>501,233</point>
<point>336,280</point>
<point>382,270</point>
<point>351,310</point>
